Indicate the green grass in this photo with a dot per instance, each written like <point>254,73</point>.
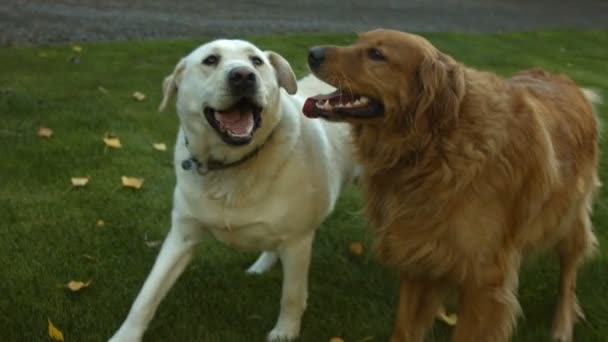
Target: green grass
<point>45,228</point>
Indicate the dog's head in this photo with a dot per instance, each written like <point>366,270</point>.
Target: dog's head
<point>229,86</point>
<point>387,78</point>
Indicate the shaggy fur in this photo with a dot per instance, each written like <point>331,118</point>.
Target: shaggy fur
<point>466,172</point>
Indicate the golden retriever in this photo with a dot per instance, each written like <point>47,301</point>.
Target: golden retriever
<point>464,173</point>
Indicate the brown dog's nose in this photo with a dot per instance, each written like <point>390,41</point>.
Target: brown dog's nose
<point>242,81</point>
<point>316,56</point>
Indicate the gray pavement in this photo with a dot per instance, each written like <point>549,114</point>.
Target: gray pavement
<point>58,21</point>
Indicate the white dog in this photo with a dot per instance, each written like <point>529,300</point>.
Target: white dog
<point>251,171</point>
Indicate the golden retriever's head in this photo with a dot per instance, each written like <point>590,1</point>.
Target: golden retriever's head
<point>387,77</point>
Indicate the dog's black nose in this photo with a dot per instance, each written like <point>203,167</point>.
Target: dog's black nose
<point>316,56</point>
<point>242,81</point>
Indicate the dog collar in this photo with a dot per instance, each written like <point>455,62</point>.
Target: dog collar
<point>214,165</point>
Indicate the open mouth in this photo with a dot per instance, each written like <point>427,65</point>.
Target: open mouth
<point>340,103</point>
<point>236,124</point>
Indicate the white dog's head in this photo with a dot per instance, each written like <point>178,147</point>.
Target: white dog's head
<point>231,87</point>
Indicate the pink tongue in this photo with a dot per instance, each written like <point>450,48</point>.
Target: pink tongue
<point>236,122</point>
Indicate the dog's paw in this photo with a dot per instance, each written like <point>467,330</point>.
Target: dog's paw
<point>255,269</point>
<point>282,335</point>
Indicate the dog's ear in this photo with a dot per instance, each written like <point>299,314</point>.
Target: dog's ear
<point>442,87</point>
<point>285,75</point>
<point>171,83</point>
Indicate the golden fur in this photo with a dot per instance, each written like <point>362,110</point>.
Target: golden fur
<point>466,172</point>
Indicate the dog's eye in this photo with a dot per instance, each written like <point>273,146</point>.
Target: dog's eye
<point>211,60</point>
<point>375,54</point>
<point>257,61</point>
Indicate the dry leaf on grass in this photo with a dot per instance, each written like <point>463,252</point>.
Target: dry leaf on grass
<point>336,339</point>
<point>100,224</point>
<point>54,333</point>
<point>90,257</point>
<point>45,132</point>
<point>131,182</point>
<point>152,243</point>
<point>77,48</point>
<point>76,285</point>
<point>112,141</point>
<point>160,146</point>
<point>80,181</point>
<point>139,96</point>
<point>450,319</point>
<point>356,248</point>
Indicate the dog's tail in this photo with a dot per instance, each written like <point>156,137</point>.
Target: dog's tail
<point>595,99</point>
<point>310,85</point>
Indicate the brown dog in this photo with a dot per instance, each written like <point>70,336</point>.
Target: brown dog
<point>464,173</point>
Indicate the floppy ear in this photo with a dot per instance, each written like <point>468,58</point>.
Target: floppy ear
<point>285,75</point>
<point>171,83</point>
<point>442,87</point>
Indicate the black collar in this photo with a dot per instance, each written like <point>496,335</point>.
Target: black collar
<point>215,165</point>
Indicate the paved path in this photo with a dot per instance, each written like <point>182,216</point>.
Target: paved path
<point>55,21</point>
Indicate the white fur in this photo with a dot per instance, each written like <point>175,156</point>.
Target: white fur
<point>273,202</point>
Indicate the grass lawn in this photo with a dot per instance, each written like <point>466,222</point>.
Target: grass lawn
<point>48,232</point>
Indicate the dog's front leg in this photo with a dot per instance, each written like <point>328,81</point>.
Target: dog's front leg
<point>295,259</point>
<point>173,258</point>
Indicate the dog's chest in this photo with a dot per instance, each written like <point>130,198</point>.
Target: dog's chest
<point>241,220</point>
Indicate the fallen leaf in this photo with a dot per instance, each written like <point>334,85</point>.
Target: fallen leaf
<point>154,243</point>
<point>450,319</point>
<point>54,333</point>
<point>336,339</point>
<point>139,96</point>
<point>100,223</point>
<point>42,54</point>
<point>151,243</point>
<point>76,285</point>
<point>45,132</point>
<point>356,248</point>
<point>102,89</point>
<point>112,141</point>
<point>90,257</point>
<point>131,182</point>
<point>160,146</point>
<point>77,48</point>
<point>80,181</point>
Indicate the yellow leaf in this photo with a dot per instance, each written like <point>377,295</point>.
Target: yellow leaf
<point>54,333</point>
<point>76,48</point>
<point>76,285</point>
<point>160,146</point>
<point>336,339</point>
<point>80,181</point>
<point>112,141</point>
<point>45,132</point>
<point>131,182</point>
<point>356,248</point>
<point>90,257</point>
<point>100,223</point>
<point>450,319</point>
<point>139,96</point>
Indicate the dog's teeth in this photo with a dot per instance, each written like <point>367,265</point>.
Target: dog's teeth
<point>348,105</point>
<point>357,102</point>
<point>363,100</point>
